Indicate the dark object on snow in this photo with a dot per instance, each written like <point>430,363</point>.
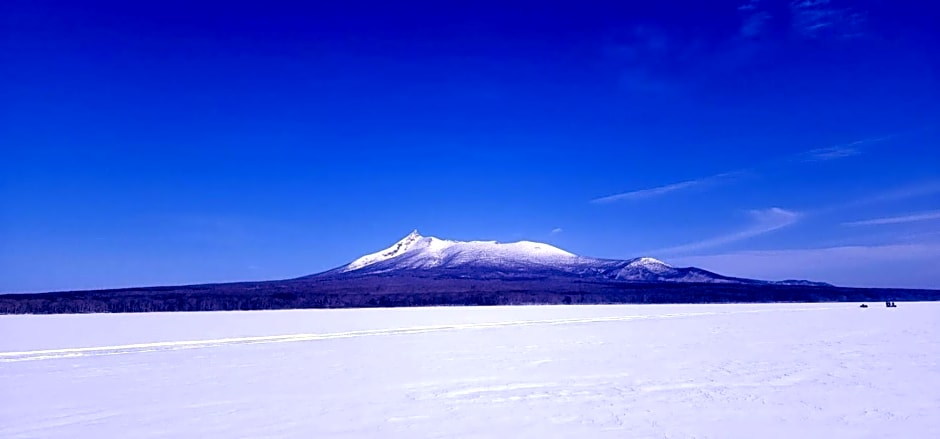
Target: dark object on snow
<point>864,306</point>
<point>890,305</point>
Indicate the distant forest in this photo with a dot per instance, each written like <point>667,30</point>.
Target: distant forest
<point>381,291</point>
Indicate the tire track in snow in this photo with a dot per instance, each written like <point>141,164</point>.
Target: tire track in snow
<point>50,354</point>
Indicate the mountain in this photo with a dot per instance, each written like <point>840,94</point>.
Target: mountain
<point>427,271</point>
<point>420,256</point>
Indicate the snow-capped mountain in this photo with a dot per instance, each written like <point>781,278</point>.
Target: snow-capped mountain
<point>417,255</point>
<point>416,252</point>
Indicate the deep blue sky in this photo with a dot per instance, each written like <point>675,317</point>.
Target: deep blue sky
<point>165,142</point>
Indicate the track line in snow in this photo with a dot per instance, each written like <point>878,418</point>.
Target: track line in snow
<point>49,354</point>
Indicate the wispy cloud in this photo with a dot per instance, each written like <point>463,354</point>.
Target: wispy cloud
<point>769,220</point>
<point>832,153</point>
<point>842,151</point>
<point>904,193</point>
<point>557,230</point>
<point>810,19</point>
<point>763,221</point>
<point>654,62</point>
<point>828,153</point>
<point>818,18</point>
<point>925,216</point>
<point>749,5</point>
<point>919,190</point>
<point>665,189</point>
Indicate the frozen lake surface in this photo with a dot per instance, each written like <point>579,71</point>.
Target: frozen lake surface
<point>676,371</point>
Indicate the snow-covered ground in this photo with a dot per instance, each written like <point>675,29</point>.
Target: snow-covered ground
<point>721,371</point>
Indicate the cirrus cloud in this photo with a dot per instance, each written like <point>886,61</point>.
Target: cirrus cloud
<point>763,221</point>
<point>924,216</point>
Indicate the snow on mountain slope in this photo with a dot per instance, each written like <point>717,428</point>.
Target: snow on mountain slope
<point>418,252</point>
<point>429,256</point>
<point>409,242</point>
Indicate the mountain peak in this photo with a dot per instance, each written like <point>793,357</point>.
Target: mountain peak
<point>405,244</point>
<point>648,261</point>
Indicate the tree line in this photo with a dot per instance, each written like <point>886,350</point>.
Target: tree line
<point>395,292</point>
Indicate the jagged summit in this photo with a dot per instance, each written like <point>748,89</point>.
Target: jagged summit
<point>398,248</point>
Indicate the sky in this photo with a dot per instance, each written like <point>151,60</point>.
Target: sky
<point>161,143</point>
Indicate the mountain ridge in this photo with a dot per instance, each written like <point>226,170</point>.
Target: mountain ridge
<point>417,255</point>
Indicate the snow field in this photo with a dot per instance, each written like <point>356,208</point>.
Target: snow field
<point>722,371</point>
